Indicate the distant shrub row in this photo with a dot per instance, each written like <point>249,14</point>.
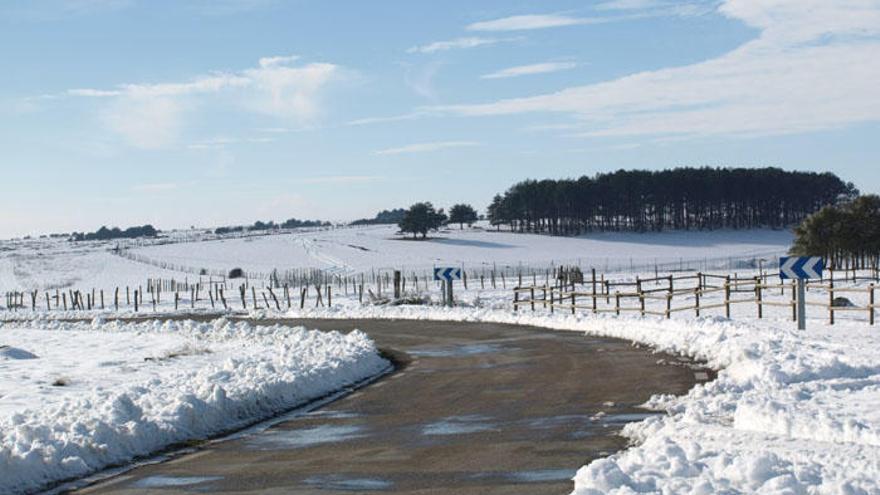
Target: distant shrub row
<point>105,234</point>
<point>292,223</point>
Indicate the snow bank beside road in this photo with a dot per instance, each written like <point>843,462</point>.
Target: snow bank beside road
<point>98,394</point>
<point>791,412</point>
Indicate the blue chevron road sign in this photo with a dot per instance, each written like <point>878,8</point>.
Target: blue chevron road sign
<point>801,267</point>
<point>447,274</point>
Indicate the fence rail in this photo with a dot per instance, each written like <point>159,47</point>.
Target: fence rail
<point>606,296</point>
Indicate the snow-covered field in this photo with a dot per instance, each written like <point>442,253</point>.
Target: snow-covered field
<point>351,250</point>
<point>75,398</point>
<point>50,264</point>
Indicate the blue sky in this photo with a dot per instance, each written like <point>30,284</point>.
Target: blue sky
<point>205,113</point>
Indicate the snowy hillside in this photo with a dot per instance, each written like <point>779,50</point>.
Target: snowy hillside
<point>357,249</point>
<point>51,264</point>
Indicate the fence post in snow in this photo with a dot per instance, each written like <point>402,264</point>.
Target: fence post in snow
<point>727,297</point>
<point>669,306</point>
<point>871,304</point>
<point>759,296</point>
<point>831,301</point>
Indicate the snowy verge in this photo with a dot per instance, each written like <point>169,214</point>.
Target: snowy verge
<point>790,412</point>
<point>79,397</point>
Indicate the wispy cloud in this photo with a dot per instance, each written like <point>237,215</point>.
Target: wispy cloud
<point>659,7</point>
<point>532,21</point>
<point>156,187</point>
<point>391,118</point>
<point>812,67</point>
<point>456,44</point>
<point>426,147</point>
<point>152,115</point>
<point>527,70</point>
<point>421,79</point>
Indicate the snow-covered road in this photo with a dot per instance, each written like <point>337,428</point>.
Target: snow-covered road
<point>791,412</point>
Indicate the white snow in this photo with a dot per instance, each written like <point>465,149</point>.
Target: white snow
<point>77,397</point>
<point>364,248</point>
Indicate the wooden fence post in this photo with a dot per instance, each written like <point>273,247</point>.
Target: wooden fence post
<point>831,301</point>
<point>697,300</point>
<point>573,303</point>
<point>759,295</point>
<point>532,295</point>
<point>617,302</point>
<point>871,304</point>
<point>515,300</point>
<point>669,306</point>
<point>727,297</point>
<point>642,302</point>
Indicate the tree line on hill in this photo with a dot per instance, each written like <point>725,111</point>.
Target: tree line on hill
<point>677,199</point>
<point>846,235</point>
<point>105,234</point>
<point>258,226</point>
<point>384,217</point>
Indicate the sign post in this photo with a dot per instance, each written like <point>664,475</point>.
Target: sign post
<point>447,275</point>
<point>801,268</point>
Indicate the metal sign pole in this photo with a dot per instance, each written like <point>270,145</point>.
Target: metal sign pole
<point>802,304</point>
<point>450,301</point>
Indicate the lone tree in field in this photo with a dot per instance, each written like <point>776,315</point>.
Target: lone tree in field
<point>420,218</point>
<point>462,214</point>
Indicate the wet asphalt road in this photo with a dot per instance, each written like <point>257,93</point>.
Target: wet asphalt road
<point>476,408</point>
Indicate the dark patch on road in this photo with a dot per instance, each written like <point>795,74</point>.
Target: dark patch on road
<point>474,408</point>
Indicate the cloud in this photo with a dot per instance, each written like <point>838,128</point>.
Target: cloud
<point>529,22</point>
<point>147,123</point>
<point>813,66</point>
<point>526,70</point>
<point>157,187</point>
<point>456,44</point>
<point>426,147</point>
<point>392,118</point>
<point>421,79</point>
<point>655,8</point>
<point>151,115</point>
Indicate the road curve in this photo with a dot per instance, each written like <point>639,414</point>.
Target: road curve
<point>476,408</point>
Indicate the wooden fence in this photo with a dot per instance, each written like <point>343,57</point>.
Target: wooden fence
<point>617,297</point>
<point>190,296</point>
